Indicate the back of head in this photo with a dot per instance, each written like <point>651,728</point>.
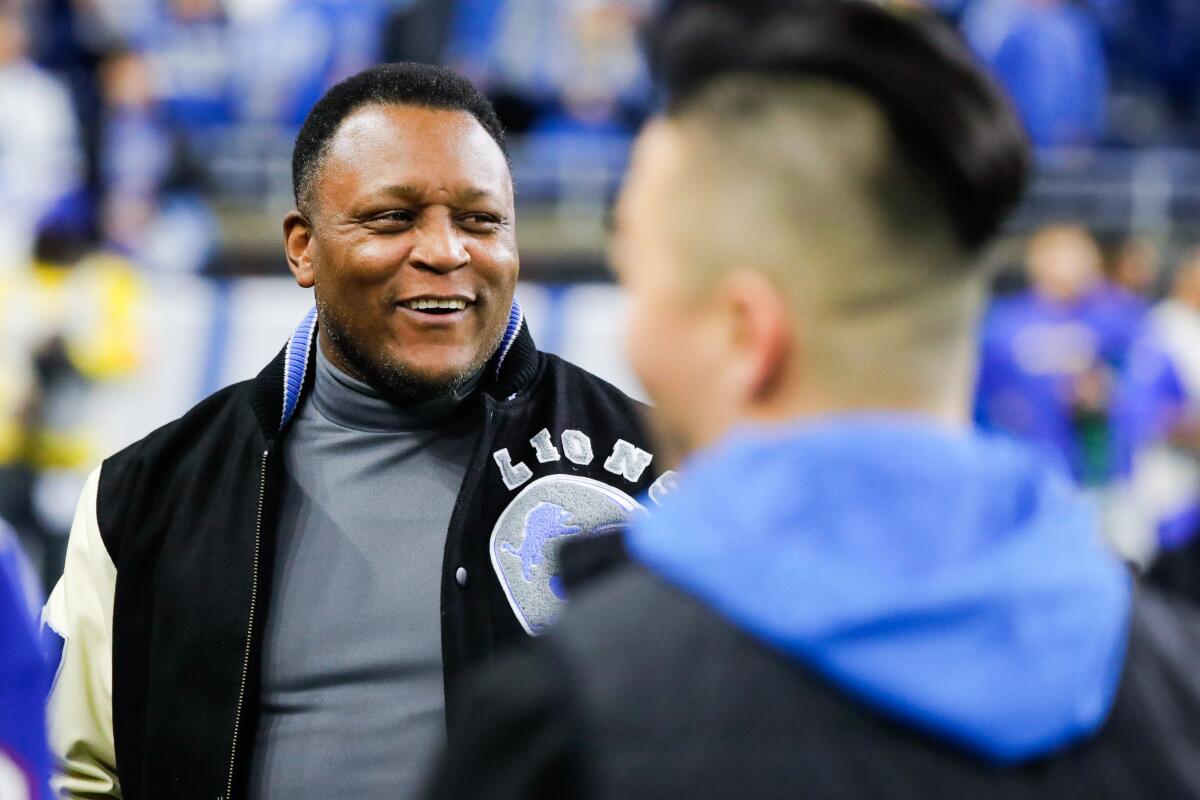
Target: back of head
<point>948,118</point>
<point>861,159</point>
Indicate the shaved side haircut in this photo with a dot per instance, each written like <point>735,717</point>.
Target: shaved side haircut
<point>868,195</point>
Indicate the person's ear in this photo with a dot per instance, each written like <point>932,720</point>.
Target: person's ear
<point>760,333</point>
<point>297,238</point>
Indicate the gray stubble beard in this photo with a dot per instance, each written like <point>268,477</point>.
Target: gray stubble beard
<point>394,380</point>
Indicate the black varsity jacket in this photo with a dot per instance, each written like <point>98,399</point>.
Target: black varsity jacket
<point>161,607</point>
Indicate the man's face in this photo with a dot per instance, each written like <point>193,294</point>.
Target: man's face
<point>671,339</point>
<point>1064,264</point>
<point>410,246</point>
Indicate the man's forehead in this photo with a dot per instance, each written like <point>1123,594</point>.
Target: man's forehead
<point>376,123</point>
<point>410,150</point>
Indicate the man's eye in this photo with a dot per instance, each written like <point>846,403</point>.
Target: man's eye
<point>479,222</point>
<point>392,219</point>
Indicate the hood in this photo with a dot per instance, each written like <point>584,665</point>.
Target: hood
<point>949,579</point>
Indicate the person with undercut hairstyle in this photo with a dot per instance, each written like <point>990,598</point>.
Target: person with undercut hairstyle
<point>268,597</point>
<point>851,593</point>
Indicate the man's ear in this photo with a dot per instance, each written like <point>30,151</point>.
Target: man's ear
<point>297,237</point>
<point>762,332</point>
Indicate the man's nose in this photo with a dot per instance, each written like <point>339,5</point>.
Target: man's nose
<point>439,247</point>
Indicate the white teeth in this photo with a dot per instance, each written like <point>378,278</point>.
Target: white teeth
<point>426,303</point>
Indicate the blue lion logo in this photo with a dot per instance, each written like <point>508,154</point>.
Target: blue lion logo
<point>544,522</point>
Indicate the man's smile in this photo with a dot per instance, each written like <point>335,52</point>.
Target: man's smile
<point>435,305</point>
<point>436,310</point>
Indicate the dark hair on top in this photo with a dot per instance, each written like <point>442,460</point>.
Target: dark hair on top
<point>404,83</point>
<point>945,112</point>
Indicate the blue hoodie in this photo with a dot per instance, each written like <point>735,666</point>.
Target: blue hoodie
<point>951,580</point>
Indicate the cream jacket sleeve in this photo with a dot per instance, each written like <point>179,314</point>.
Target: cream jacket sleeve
<point>80,611</point>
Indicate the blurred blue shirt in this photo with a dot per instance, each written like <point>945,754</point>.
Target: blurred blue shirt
<point>1034,354</point>
<point>1050,57</point>
<point>192,69</point>
<point>287,59</point>
<point>24,749</point>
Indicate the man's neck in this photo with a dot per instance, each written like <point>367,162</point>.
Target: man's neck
<point>951,409</point>
<point>352,403</point>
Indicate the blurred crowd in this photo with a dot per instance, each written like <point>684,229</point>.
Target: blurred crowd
<point>1087,364</point>
<point>142,108</point>
<point>123,121</point>
<point>122,118</point>
<point>1086,72</point>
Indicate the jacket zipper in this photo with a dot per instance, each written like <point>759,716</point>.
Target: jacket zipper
<point>237,716</point>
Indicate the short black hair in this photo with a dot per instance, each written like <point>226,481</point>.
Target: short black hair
<point>403,83</point>
<point>945,112</point>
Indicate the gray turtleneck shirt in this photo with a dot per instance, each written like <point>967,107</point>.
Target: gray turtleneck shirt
<point>352,703</point>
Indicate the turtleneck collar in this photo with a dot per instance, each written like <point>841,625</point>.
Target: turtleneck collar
<point>352,404</point>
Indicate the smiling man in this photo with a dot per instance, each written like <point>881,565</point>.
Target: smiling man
<point>267,597</point>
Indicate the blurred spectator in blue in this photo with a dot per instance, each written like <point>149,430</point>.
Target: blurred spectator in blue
<point>1145,379</point>
<point>577,58</point>
<point>1154,48</point>
<point>1147,390</point>
<point>188,45</point>
<point>567,72</point>
<point>1051,355</point>
<point>1049,55</point>
<point>106,22</point>
<point>1164,425</point>
<point>152,210</point>
<point>1122,298</point>
<point>1166,481</point>
<point>135,145</point>
<point>66,39</point>
<point>288,52</point>
<point>40,162</point>
<point>1148,406</point>
<point>24,752</point>
<point>1132,263</point>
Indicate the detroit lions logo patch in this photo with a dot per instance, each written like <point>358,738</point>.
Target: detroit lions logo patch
<point>529,534</point>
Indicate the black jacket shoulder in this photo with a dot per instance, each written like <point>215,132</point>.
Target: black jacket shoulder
<point>646,692</point>
<point>183,449</point>
<point>568,371</point>
<point>563,376</point>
